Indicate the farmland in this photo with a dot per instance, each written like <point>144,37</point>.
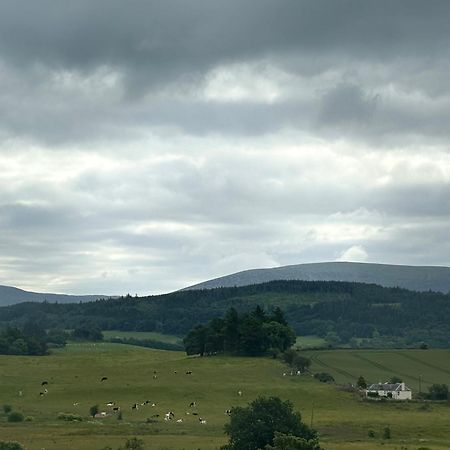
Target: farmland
<point>342,419</point>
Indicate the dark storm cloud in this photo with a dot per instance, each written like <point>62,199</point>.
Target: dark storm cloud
<point>171,46</point>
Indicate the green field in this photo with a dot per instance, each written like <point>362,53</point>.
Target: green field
<point>342,419</point>
<point>413,366</point>
<point>170,339</point>
<point>304,342</point>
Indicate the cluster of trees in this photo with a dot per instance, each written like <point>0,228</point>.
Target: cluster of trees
<point>254,333</point>
<point>269,424</point>
<point>438,392</point>
<point>30,340</point>
<point>351,314</point>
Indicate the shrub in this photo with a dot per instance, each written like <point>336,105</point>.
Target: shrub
<point>324,377</point>
<point>68,417</point>
<point>16,416</point>
<point>371,434</point>
<point>29,419</point>
<point>7,409</point>
<point>387,433</point>
<point>10,445</point>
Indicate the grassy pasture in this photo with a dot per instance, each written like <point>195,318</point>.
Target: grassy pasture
<point>170,339</point>
<point>74,375</point>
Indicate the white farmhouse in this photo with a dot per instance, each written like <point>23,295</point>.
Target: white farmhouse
<point>396,391</point>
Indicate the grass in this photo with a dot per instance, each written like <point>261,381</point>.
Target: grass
<point>305,342</point>
<point>170,339</point>
<point>74,375</point>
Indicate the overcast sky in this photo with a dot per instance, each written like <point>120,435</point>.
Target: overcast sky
<point>149,145</point>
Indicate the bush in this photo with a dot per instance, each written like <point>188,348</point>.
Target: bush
<point>29,419</point>
<point>10,445</point>
<point>68,417</point>
<point>371,434</point>
<point>387,433</point>
<point>324,377</point>
<point>7,409</point>
<point>16,416</point>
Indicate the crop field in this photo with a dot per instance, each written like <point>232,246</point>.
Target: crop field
<point>343,420</point>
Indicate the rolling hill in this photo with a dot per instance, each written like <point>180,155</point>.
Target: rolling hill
<point>11,295</point>
<point>416,278</point>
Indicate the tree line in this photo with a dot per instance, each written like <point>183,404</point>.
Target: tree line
<point>343,313</point>
<point>254,333</point>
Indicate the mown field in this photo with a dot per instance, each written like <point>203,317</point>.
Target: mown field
<point>417,368</point>
<point>342,419</point>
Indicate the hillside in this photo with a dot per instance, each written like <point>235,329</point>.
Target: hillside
<point>339,312</point>
<point>416,278</point>
<point>11,295</point>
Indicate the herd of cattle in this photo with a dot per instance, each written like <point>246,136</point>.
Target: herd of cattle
<point>113,408</point>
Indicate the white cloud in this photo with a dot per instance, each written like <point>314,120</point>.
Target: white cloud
<point>355,253</point>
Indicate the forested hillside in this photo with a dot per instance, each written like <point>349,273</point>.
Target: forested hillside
<point>342,313</point>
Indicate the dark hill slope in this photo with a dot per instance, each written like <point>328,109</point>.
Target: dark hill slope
<point>416,278</point>
<point>11,295</point>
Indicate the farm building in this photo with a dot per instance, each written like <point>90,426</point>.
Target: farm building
<point>396,391</point>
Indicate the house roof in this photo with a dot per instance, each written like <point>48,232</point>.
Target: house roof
<point>388,387</point>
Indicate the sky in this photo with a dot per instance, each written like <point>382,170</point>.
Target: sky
<point>149,145</point>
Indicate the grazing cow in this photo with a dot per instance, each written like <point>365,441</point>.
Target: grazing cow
<point>45,391</point>
<point>116,409</point>
<point>41,394</point>
<point>240,393</point>
<point>104,378</point>
<point>75,404</point>
<point>44,383</point>
<point>192,404</point>
<point>195,414</point>
<point>228,412</point>
<point>20,393</point>
<point>155,377</point>
<point>189,372</point>
<point>175,372</point>
<point>153,405</point>
<point>155,415</point>
<point>180,421</point>
<point>202,421</point>
<point>110,404</point>
<point>135,406</point>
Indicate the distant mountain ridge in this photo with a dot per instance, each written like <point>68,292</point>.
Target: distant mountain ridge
<point>11,295</point>
<point>416,278</point>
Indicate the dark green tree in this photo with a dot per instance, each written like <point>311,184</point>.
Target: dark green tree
<point>301,363</point>
<point>93,410</point>
<point>253,338</point>
<point>231,338</point>
<point>195,341</point>
<point>438,392</point>
<point>279,336</point>
<point>254,427</point>
<point>361,383</point>
<point>278,316</point>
